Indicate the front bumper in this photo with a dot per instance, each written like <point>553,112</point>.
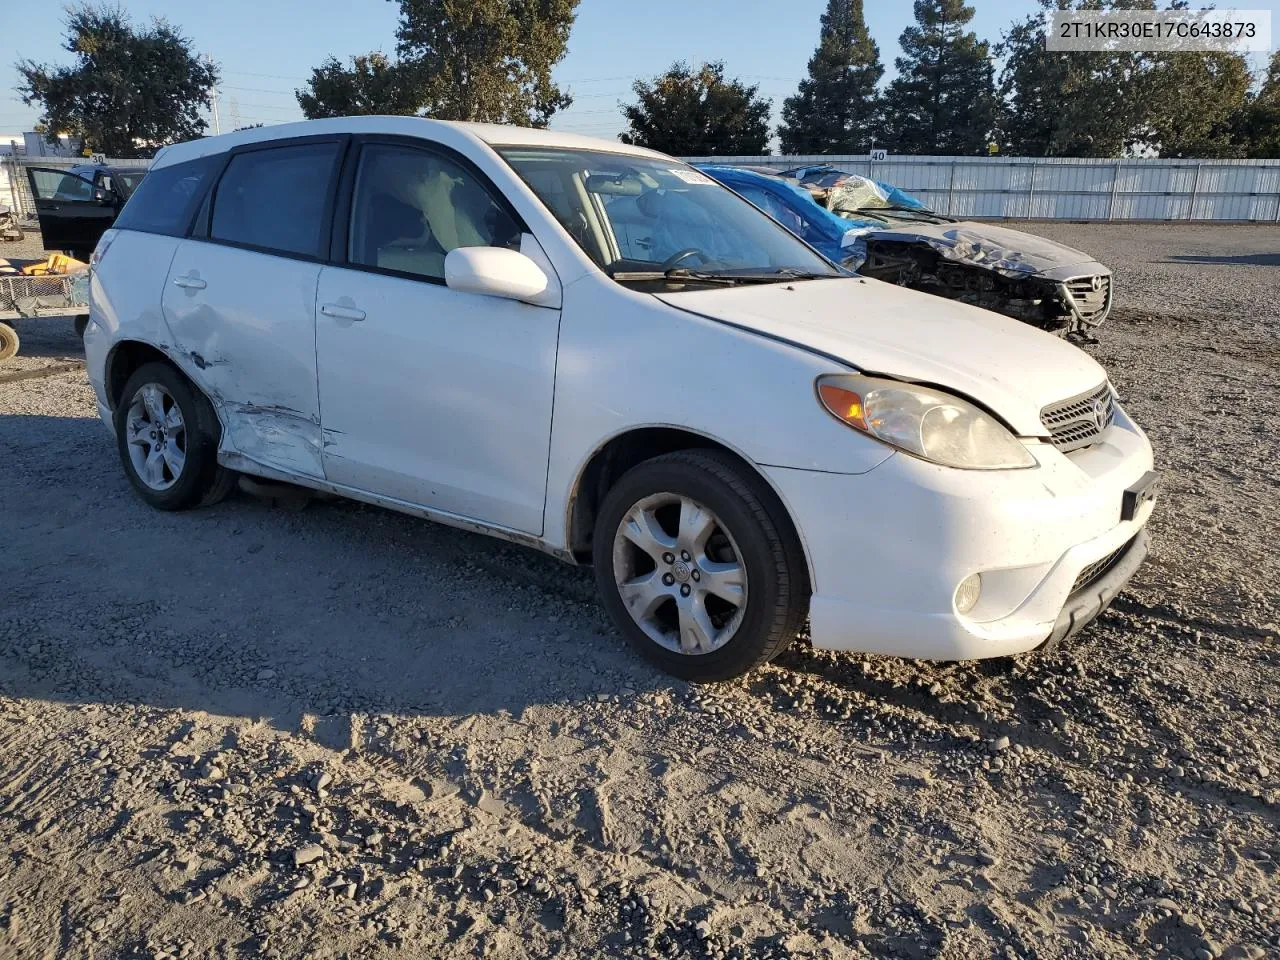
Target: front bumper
<point>888,548</point>
<point>1086,604</point>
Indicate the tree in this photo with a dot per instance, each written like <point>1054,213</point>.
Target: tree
<point>689,112</point>
<point>1104,104</point>
<point>486,60</point>
<point>130,92</point>
<point>1257,126</point>
<point>1067,104</point>
<point>373,84</point>
<point>943,100</point>
<point>1193,104</point>
<point>836,109</point>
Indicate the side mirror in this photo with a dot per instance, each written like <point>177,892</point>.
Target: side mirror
<point>495,272</point>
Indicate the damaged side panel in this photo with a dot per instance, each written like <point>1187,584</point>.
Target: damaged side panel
<point>243,324</point>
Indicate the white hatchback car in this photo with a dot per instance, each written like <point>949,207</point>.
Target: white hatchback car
<point>596,350</point>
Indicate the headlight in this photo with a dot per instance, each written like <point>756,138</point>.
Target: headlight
<point>927,423</point>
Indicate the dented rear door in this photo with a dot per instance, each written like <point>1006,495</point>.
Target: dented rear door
<point>240,300</point>
<point>246,323</point>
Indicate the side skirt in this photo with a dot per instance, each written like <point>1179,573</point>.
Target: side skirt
<point>242,464</point>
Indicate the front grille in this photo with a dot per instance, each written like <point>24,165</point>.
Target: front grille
<point>1096,569</point>
<point>1094,305</point>
<point>1078,422</point>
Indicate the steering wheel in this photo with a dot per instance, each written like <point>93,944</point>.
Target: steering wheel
<point>682,255</point>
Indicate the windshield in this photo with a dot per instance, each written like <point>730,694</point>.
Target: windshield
<point>644,219</point>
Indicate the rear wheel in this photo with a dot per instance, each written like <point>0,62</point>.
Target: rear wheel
<point>167,436</point>
<point>697,566</point>
<point>8,341</point>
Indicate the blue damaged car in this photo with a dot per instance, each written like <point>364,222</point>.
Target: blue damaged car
<point>883,232</point>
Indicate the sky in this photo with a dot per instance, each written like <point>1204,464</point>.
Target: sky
<point>266,48</point>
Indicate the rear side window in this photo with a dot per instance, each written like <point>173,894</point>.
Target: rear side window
<point>165,199</point>
<point>275,199</point>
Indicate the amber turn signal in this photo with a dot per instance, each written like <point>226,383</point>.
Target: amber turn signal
<point>843,404</point>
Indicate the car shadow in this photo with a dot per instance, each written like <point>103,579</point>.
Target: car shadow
<point>289,617</point>
<point>1246,260</point>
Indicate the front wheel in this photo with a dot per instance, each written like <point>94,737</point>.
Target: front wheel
<point>698,567</point>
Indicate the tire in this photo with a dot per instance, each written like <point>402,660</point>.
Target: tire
<point>82,324</point>
<point>739,545</point>
<point>8,342</point>
<point>184,471</point>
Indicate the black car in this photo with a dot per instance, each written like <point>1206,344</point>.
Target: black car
<point>77,205</point>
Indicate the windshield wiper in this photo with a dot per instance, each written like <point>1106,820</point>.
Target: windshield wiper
<point>795,273</point>
<point>913,211</point>
<point>683,274</point>
<point>674,275</point>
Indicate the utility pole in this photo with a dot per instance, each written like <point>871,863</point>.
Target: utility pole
<point>213,101</point>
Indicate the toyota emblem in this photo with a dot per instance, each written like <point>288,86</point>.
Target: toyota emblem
<point>1100,415</point>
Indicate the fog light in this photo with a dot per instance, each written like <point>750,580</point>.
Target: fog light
<point>968,592</point>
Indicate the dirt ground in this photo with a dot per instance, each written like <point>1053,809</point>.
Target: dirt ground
<point>249,732</point>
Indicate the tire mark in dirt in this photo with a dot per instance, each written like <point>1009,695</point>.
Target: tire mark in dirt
<point>40,373</point>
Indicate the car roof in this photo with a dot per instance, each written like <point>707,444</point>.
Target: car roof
<point>113,168</point>
<point>447,132</point>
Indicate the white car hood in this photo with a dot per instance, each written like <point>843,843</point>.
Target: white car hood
<point>1009,252</point>
<point>1008,366</point>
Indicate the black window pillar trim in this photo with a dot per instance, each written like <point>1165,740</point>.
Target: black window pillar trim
<point>202,226</point>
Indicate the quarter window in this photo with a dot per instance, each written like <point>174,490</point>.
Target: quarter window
<point>411,207</point>
<point>164,201</point>
<point>275,198</point>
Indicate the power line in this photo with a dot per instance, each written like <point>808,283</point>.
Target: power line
<point>272,107</point>
<point>231,86</point>
<point>270,76</point>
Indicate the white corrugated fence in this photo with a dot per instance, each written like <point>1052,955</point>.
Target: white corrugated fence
<point>1067,188</point>
<point>1015,188</point>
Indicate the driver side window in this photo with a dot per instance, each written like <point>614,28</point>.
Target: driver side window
<point>411,207</point>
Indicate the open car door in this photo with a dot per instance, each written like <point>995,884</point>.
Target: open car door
<point>73,212</point>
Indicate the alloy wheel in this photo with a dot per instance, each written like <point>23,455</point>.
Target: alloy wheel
<point>680,574</point>
<point>157,437</point>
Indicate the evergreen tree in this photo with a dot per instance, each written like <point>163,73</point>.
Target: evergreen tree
<point>943,100</point>
<point>1066,104</point>
<point>1193,102</point>
<point>1257,126</point>
<point>697,113</point>
<point>1104,104</point>
<point>836,108</point>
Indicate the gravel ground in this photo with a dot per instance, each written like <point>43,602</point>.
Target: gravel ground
<point>341,732</point>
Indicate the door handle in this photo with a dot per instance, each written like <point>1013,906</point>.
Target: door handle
<point>189,283</point>
<point>339,312</point>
